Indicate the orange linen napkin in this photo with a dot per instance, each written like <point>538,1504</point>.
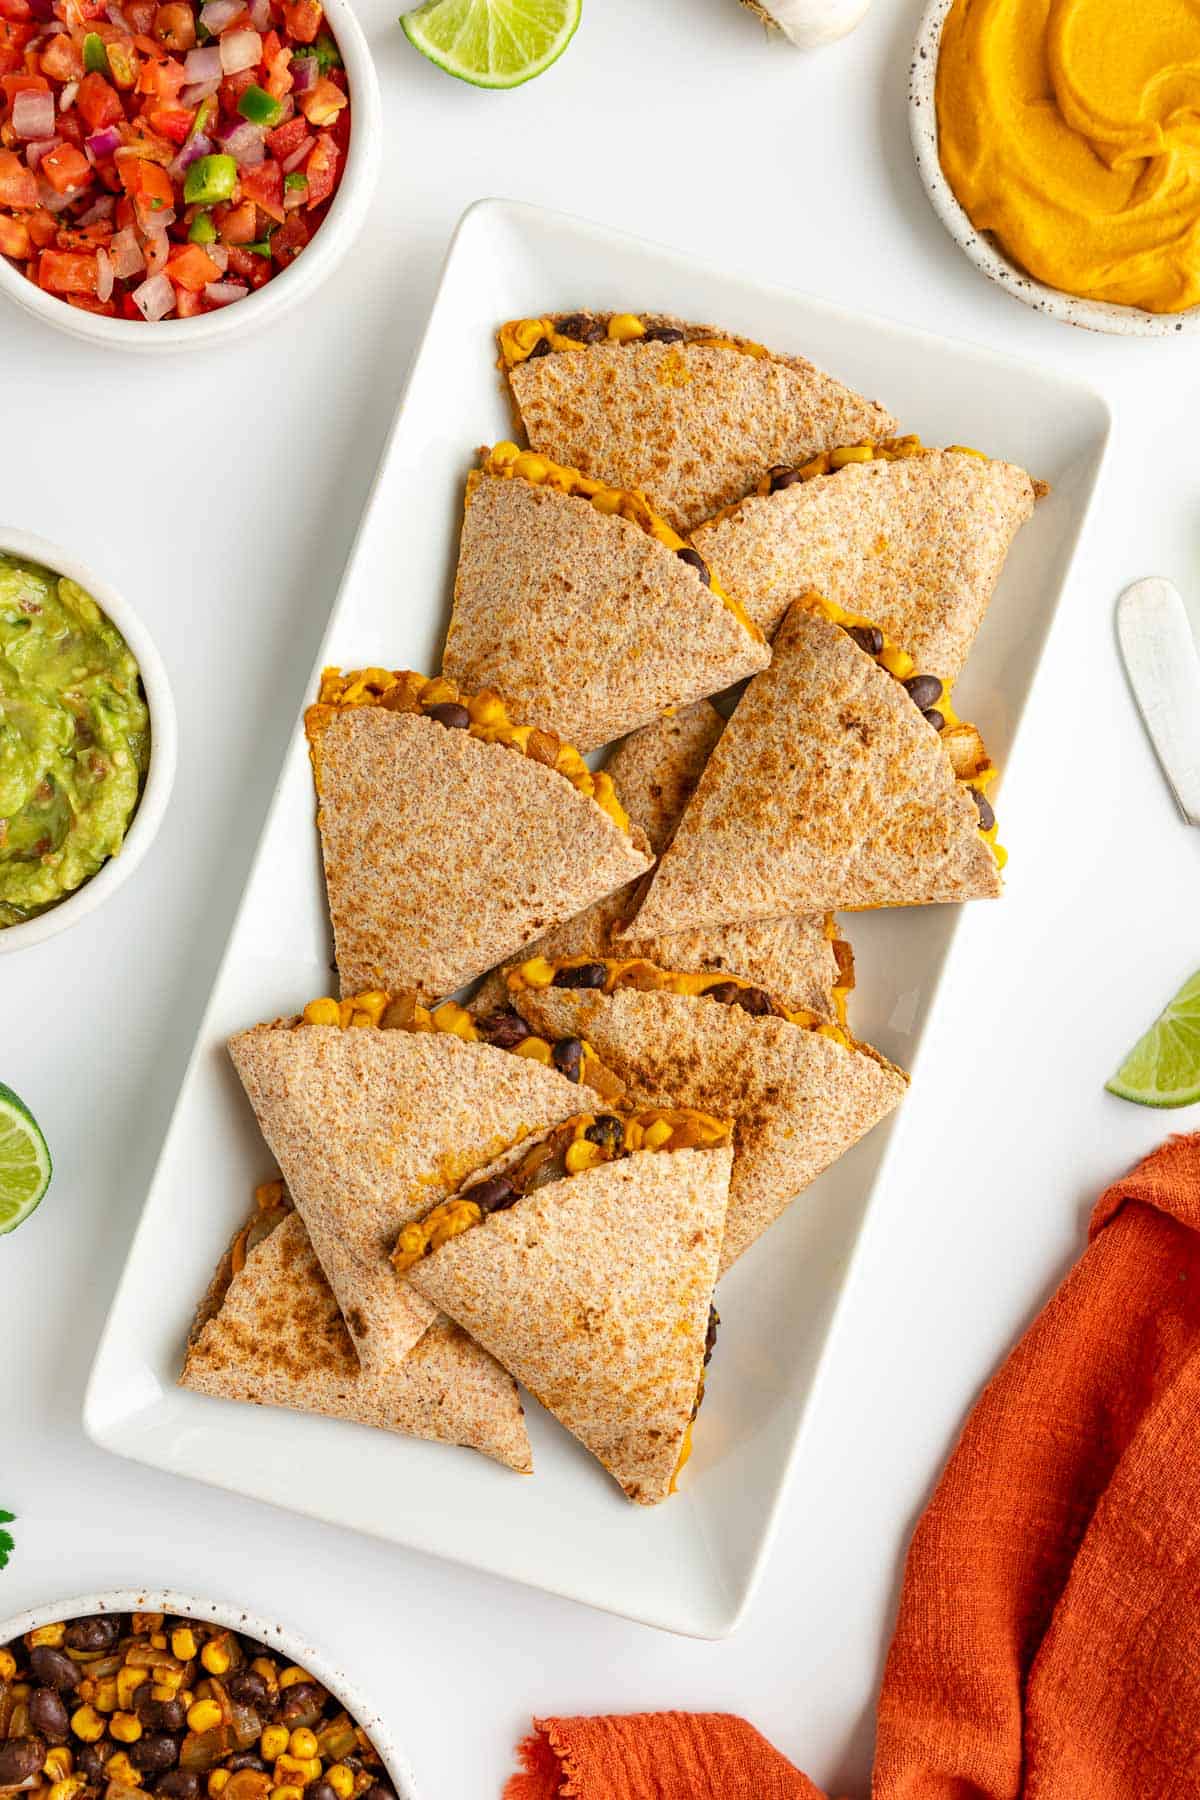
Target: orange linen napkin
<point>1048,1640</point>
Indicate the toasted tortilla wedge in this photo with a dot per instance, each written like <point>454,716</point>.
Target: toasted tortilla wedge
<point>587,623</point>
<point>828,789</point>
<point>798,1098</point>
<point>444,853</point>
<point>271,1334</point>
<point>694,422</point>
<point>656,771</point>
<point>594,1291</point>
<point>917,543</point>
<point>370,1128</point>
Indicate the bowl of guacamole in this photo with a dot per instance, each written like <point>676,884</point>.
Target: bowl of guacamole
<point>87,739</point>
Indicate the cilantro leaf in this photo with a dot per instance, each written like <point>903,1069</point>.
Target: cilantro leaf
<point>6,1540</point>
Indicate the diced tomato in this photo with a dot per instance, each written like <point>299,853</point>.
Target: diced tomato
<point>250,267</point>
<point>84,237</point>
<point>127,308</point>
<point>16,10</point>
<point>235,224</point>
<point>18,185</point>
<point>280,80</point>
<point>65,272</point>
<point>190,266</point>
<point>146,144</point>
<point>147,185</point>
<point>321,169</point>
<point>302,20</point>
<point>13,85</point>
<point>14,237</point>
<point>43,228</point>
<point>290,240</point>
<point>322,103</point>
<point>74,13</point>
<point>173,122</point>
<point>162,77</point>
<point>140,14</point>
<point>66,168</point>
<point>264,185</point>
<point>232,89</point>
<point>187,304</point>
<point>88,303</point>
<point>62,59</point>
<point>175,26</point>
<point>98,102</point>
<point>286,138</point>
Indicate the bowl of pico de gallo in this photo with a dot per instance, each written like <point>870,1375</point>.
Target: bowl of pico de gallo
<point>174,172</point>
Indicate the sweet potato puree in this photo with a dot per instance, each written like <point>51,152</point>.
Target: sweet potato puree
<point>1071,129</point>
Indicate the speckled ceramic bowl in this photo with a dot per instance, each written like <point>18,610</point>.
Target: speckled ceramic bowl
<point>235,1618</point>
<point>981,246</point>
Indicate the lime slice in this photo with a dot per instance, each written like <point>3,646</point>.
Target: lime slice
<point>493,43</point>
<point>25,1165</point>
<point>1163,1068</point>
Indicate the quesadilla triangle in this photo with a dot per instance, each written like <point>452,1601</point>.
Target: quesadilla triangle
<point>689,413</point>
<point>371,1125</point>
<point>585,1263</point>
<point>914,537</point>
<point>803,958</point>
<point>451,836</point>
<point>800,1090</point>
<point>844,779</point>
<point>269,1333</point>
<point>582,606</point>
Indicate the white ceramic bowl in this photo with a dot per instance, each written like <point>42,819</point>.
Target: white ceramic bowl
<point>235,1618</point>
<point>161,773</point>
<point>318,259</point>
<point>981,246</point>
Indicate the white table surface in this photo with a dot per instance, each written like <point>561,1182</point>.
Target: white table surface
<point>221,495</point>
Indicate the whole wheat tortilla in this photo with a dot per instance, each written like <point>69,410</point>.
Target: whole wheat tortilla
<point>694,427</point>
<point>798,1099</point>
<point>371,1128</point>
<point>445,854</point>
<point>594,1292</point>
<point>586,624</point>
<point>656,771</point>
<point>916,545</point>
<point>273,1336</point>
<point>828,789</point>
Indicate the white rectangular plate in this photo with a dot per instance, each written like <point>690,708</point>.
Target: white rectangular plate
<point>690,1565</point>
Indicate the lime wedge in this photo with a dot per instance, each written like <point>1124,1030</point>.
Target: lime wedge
<point>25,1166</point>
<point>1163,1068</point>
<point>493,43</point>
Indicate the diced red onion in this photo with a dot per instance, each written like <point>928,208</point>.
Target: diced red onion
<point>105,274</point>
<point>244,142</point>
<point>126,254</point>
<point>203,65</point>
<point>197,146</point>
<point>103,143</point>
<point>219,254</point>
<point>116,16</point>
<point>239,49</point>
<point>66,99</point>
<point>299,155</point>
<point>155,298</point>
<point>304,71</point>
<point>35,152</point>
<point>224,293</point>
<point>53,202</point>
<point>260,14</point>
<point>33,114</point>
<point>287,109</point>
<point>199,90</point>
<point>215,15</point>
<point>102,209</point>
<point>156,247</point>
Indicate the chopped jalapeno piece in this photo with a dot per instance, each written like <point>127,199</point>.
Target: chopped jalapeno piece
<point>95,56</point>
<point>210,180</point>
<point>295,183</point>
<point>261,248</point>
<point>202,230</point>
<point>326,53</point>
<point>259,107</point>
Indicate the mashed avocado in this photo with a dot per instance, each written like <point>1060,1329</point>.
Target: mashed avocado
<point>74,738</point>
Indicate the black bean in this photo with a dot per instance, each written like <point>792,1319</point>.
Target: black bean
<point>91,1758</point>
<point>580,328</point>
<point>661,334</point>
<point>181,1784</point>
<point>695,561</point>
<point>987,817</point>
<point>449,712</point>
<point>300,1704</point>
<point>506,1028</point>
<point>153,1752</point>
<point>935,718</point>
<point>158,1715</point>
<point>582,975</point>
<point>607,1131</point>
<point>731,993</point>
<point>495,1194</point>
<point>320,1790</point>
<point>567,1057</point>
<point>245,1759</point>
<point>377,1791</point>
<point>96,1633</point>
<point>923,690</point>
<point>20,1758</point>
<point>48,1715</point>
<point>867,637</point>
<point>52,1669</point>
<point>783,477</point>
<point>541,348</point>
<point>246,1686</point>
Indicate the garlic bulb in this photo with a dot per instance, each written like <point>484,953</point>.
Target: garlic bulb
<point>810,23</point>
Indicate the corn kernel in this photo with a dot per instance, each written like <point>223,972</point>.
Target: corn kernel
<point>185,1698</point>
<point>624,327</point>
<point>87,1724</point>
<point>128,1682</point>
<point>204,1715</point>
<point>8,1665</point>
<point>897,662</point>
<point>165,1690</point>
<point>159,1639</point>
<point>293,1675</point>
<point>537,972</point>
<point>216,1658</point>
<point>67,1788</point>
<point>536,1049</point>
<point>296,1771</point>
<point>262,1665</point>
<point>126,1727</point>
<point>287,1791</point>
<point>59,1763</point>
<point>302,1742</point>
<point>273,1742</point>
<point>47,1634</point>
<point>341,1780</point>
<point>851,453</point>
<point>217,1780</point>
<point>581,1155</point>
<point>321,1012</point>
<point>146,1623</point>
<point>119,1768</point>
<point>531,467</point>
<point>437,691</point>
<point>527,333</point>
<point>456,1020</point>
<point>105,1697</point>
<point>183,1643</point>
<point>657,1134</point>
